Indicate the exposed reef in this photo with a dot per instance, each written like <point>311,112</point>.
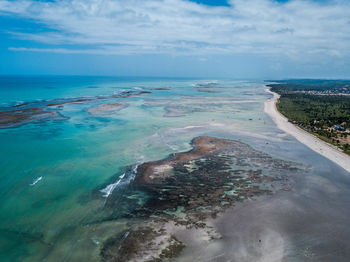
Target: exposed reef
<point>45,110</point>
<point>216,173</point>
<point>161,88</point>
<point>186,189</point>
<point>73,101</point>
<point>18,117</point>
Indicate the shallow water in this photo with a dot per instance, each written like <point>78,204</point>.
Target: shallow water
<point>58,177</point>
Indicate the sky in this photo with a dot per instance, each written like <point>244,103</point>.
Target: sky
<point>241,39</point>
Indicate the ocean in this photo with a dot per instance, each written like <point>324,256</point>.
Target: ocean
<point>70,146</point>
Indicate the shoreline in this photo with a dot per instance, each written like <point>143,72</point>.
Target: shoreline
<point>319,146</point>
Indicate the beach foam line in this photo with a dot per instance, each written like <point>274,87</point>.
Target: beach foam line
<point>36,180</point>
<point>134,170</point>
<point>125,178</point>
<point>319,146</point>
<point>186,128</point>
<point>110,188</point>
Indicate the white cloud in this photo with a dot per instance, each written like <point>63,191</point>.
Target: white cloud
<point>298,28</point>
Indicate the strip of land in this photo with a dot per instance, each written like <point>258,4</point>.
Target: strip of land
<point>327,150</point>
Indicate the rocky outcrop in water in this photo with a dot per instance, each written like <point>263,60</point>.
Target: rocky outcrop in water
<point>186,189</point>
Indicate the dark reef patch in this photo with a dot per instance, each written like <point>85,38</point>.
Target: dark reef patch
<point>161,88</point>
<point>18,117</point>
<point>214,175</point>
<point>186,189</point>
<point>46,110</point>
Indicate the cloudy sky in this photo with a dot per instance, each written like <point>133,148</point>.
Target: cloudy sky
<point>202,38</point>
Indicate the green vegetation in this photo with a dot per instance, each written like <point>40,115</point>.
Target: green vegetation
<point>326,116</point>
<point>318,86</point>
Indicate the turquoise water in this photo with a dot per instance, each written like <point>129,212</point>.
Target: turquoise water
<point>52,172</point>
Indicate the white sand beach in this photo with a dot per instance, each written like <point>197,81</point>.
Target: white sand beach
<point>327,150</point>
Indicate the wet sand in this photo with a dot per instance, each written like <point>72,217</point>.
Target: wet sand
<point>327,150</point>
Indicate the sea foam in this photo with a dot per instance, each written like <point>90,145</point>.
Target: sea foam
<point>125,178</point>
<point>36,180</point>
<point>109,189</point>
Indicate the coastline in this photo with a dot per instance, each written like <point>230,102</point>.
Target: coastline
<point>321,147</point>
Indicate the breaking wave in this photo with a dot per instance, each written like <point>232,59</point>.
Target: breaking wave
<point>125,178</point>
<point>36,180</point>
